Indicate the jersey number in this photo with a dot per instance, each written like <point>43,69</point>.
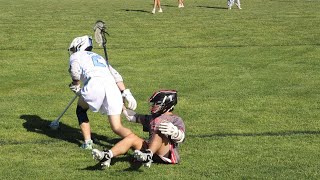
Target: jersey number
<point>95,60</point>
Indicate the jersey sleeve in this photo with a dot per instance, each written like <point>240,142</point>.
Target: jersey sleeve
<point>145,121</point>
<point>74,68</point>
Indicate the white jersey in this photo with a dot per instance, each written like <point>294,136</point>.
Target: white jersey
<point>101,91</point>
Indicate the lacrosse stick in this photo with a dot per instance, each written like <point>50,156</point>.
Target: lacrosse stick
<point>100,37</point>
<point>55,124</point>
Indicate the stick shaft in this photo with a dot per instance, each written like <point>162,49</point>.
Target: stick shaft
<point>105,53</point>
<point>65,110</point>
<point>104,44</point>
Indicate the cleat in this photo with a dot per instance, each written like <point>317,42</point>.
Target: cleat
<point>145,157</point>
<point>153,11</point>
<point>97,155</point>
<point>160,10</point>
<point>87,146</point>
<point>102,156</point>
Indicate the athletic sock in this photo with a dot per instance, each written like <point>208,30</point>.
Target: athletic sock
<point>88,141</point>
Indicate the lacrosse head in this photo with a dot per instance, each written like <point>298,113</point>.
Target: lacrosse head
<point>54,125</point>
<point>163,101</point>
<point>83,43</point>
<point>99,33</point>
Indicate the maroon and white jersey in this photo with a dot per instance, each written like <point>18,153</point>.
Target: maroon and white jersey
<point>151,125</point>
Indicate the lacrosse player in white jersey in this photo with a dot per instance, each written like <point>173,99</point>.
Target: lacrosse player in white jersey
<point>231,3</point>
<point>103,89</point>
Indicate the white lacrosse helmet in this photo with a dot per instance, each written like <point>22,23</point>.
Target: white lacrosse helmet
<point>83,43</point>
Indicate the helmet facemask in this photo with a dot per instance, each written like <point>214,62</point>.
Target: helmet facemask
<point>163,101</point>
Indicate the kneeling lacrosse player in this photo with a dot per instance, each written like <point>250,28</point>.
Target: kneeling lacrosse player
<point>166,131</point>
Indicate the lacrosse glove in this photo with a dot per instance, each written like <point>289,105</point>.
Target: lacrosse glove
<point>130,115</point>
<point>75,88</point>
<point>132,103</point>
<point>168,129</point>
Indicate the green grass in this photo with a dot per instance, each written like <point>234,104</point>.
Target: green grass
<point>248,84</point>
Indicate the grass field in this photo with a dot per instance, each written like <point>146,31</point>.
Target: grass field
<point>248,83</point>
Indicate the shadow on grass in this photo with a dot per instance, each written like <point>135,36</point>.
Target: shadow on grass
<point>34,123</point>
<point>165,5</point>
<point>212,7</point>
<point>134,166</point>
<point>137,10</point>
<point>284,133</point>
<point>144,11</point>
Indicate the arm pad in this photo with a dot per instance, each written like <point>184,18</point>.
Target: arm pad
<point>117,77</point>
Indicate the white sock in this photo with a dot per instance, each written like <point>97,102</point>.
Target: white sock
<point>87,141</point>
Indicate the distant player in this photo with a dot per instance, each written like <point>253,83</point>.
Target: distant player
<point>156,4</point>
<point>231,3</point>
<point>103,88</point>
<point>166,131</point>
<point>181,3</point>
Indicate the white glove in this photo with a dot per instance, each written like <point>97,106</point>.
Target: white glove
<point>75,88</point>
<point>132,103</point>
<point>167,128</point>
<point>130,115</point>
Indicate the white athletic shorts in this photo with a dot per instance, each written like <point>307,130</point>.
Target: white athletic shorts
<point>103,95</point>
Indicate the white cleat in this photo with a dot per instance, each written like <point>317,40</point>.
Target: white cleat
<point>153,11</point>
<point>105,164</point>
<point>160,10</point>
<point>101,156</point>
<point>97,155</point>
<point>144,157</point>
